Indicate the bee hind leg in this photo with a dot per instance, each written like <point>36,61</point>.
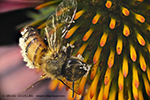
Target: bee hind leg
<point>31,86</point>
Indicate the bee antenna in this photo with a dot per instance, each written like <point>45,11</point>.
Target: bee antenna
<point>73,89</point>
<point>69,87</point>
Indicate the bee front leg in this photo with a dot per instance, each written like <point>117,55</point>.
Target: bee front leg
<point>69,50</point>
<point>73,89</point>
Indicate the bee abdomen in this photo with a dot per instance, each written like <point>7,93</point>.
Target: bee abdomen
<point>33,47</point>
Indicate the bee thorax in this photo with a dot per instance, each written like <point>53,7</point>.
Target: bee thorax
<point>53,65</point>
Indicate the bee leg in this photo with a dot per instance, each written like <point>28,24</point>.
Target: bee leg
<point>63,83</point>
<point>73,89</point>
<point>69,50</point>
<point>31,86</point>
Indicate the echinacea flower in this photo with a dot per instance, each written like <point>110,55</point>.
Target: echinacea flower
<point>114,37</point>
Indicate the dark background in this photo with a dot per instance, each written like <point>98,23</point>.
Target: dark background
<point>8,21</point>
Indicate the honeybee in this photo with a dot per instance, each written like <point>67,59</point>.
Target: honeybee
<point>54,59</point>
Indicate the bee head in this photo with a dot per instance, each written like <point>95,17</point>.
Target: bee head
<point>74,69</point>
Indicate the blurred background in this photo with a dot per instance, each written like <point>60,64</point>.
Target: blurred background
<point>14,75</point>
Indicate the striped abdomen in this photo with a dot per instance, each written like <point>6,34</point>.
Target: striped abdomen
<point>33,47</point>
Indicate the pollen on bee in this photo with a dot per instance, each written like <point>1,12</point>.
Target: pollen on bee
<point>87,68</point>
<point>23,31</point>
<point>80,57</point>
<point>22,44</point>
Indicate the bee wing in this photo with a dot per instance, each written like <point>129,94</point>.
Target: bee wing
<point>57,24</point>
<point>76,85</point>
